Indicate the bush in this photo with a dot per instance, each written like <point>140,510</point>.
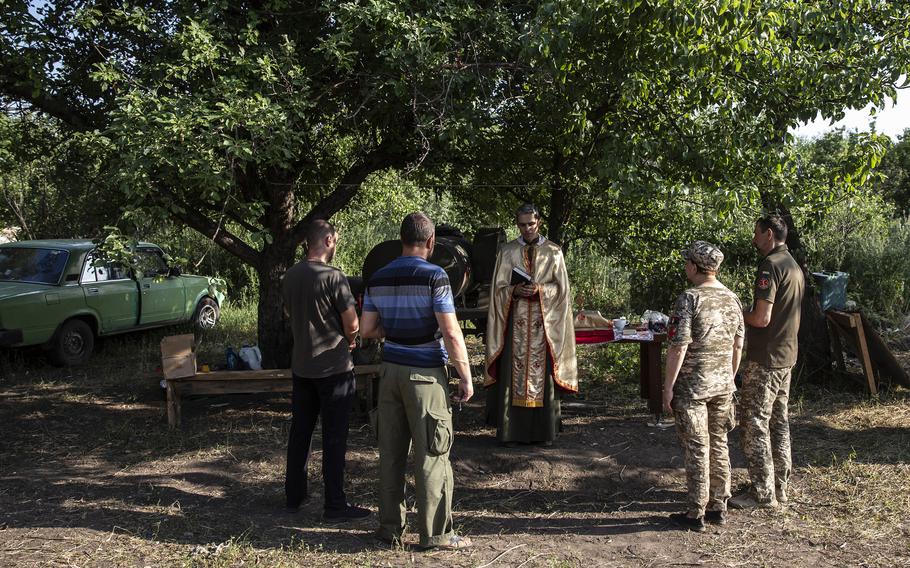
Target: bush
<point>879,265</point>
<point>859,236</point>
<point>375,216</point>
<point>597,281</point>
<point>199,255</point>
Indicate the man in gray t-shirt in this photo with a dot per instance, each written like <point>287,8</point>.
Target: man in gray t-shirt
<point>317,296</point>
<point>324,324</point>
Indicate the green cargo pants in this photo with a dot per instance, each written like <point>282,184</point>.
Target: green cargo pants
<point>414,406</point>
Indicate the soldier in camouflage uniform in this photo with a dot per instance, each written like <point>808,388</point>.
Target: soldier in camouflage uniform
<point>706,337</point>
<point>771,348</point>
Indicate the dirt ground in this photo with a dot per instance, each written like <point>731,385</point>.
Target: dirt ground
<point>90,475</point>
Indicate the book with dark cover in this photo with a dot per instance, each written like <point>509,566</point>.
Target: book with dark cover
<point>519,276</point>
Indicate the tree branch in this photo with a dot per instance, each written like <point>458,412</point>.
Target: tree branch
<point>191,217</point>
<point>17,86</point>
<point>387,155</point>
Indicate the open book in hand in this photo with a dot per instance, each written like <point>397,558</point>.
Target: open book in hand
<point>519,276</point>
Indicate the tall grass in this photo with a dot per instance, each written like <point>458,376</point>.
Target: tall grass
<point>238,326</point>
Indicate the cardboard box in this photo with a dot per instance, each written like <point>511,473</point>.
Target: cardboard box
<point>177,345</point>
<point>177,357</point>
<point>179,367</point>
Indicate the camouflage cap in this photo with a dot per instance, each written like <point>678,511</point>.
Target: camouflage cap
<point>704,255</point>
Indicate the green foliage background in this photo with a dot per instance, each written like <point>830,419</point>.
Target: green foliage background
<point>56,185</point>
<point>636,126</point>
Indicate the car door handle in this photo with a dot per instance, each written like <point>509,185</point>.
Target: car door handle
<point>146,286</point>
<point>92,290</point>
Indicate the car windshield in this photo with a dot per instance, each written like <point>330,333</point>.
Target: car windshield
<point>38,265</point>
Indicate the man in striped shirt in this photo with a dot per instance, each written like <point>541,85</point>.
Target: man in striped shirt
<point>409,303</point>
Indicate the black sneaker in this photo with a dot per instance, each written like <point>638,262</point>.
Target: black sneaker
<point>685,521</point>
<point>349,513</point>
<point>716,517</point>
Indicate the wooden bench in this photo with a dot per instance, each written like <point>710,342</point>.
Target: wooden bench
<point>254,382</point>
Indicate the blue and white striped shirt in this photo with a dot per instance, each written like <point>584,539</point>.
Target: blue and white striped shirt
<point>407,293</point>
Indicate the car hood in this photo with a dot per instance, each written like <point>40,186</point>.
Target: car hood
<point>14,289</point>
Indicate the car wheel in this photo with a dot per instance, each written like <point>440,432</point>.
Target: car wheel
<point>207,314</point>
<point>72,344</point>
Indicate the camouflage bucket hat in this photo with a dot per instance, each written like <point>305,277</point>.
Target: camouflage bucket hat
<point>704,255</point>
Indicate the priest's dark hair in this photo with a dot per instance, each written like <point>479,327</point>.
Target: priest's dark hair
<point>528,208</point>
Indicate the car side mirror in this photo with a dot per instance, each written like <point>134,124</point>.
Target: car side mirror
<point>174,271</point>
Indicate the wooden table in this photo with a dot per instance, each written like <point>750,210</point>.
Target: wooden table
<point>650,371</point>
<point>253,382</point>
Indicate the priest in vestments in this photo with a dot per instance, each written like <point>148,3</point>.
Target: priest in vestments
<point>530,354</point>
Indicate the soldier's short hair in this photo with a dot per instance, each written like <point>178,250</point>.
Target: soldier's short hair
<point>317,231</point>
<point>416,229</point>
<point>777,225</point>
<point>526,209</point>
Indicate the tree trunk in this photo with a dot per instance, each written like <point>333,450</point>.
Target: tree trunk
<point>274,339</point>
<point>814,344</point>
<point>559,213</point>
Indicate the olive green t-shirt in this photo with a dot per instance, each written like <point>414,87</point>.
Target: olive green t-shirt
<point>779,280</point>
<point>707,319</point>
<point>315,294</point>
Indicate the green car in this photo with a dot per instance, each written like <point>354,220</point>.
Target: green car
<point>56,293</point>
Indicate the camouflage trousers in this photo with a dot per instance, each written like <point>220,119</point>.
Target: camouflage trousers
<point>765,427</point>
<point>702,426</point>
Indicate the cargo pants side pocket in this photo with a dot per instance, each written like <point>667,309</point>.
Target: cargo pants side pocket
<point>439,432</point>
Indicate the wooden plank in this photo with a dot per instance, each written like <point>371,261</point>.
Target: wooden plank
<point>173,405</point>
<point>262,374</point>
<point>882,357</point>
<point>249,382</point>
<point>227,376</point>
<point>844,319</point>
<point>836,346</point>
<point>864,354</point>
<point>850,326</point>
<point>848,334</point>
<point>248,386</point>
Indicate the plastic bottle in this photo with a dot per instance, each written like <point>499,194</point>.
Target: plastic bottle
<point>251,357</point>
<point>231,358</point>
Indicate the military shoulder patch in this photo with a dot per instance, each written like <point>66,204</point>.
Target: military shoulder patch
<point>763,283</point>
